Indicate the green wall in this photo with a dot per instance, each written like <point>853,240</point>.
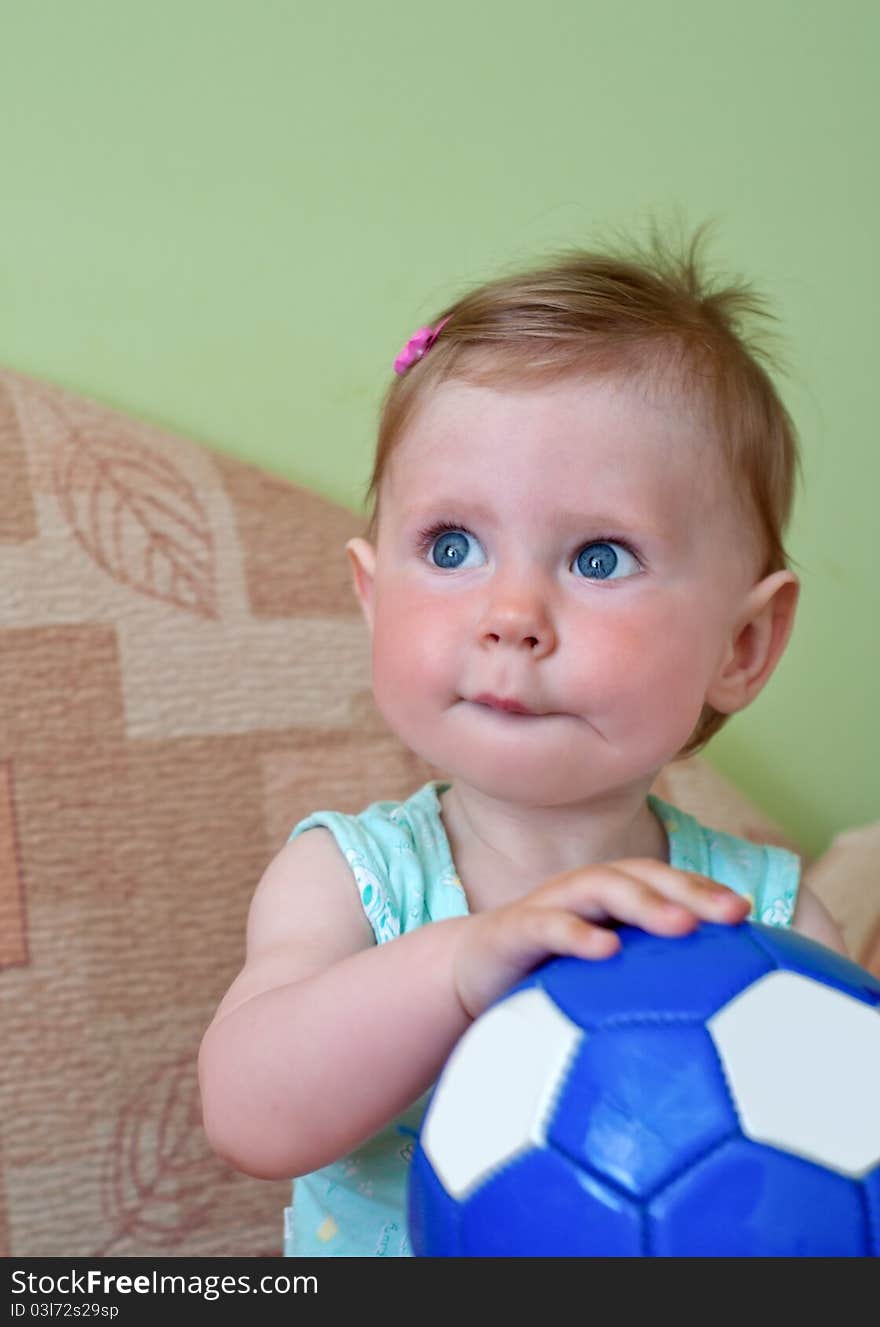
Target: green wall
<point>226,217</point>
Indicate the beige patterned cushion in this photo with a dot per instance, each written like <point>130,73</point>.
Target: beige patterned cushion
<point>183,675</point>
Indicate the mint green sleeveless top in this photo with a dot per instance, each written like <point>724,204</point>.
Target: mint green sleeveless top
<point>403,869</point>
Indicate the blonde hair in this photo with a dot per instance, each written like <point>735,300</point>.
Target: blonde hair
<point>649,312</point>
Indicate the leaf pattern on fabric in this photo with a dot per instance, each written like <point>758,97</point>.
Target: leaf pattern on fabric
<point>159,1177</point>
<point>138,517</point>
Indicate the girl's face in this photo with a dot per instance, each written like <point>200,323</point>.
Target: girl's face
<point>559,576</point>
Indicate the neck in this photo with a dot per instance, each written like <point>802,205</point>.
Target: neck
<point>503,851</point>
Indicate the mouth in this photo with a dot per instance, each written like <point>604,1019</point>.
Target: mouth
<point>506,706</point>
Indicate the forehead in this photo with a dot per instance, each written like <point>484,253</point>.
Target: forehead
<point>622,441</point>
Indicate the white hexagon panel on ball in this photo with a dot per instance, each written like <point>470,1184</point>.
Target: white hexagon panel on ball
<point>787,1046</point>
<point>498,1089</point>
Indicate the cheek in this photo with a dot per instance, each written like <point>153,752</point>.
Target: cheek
<point>655,661</point>
<point>413,648</point>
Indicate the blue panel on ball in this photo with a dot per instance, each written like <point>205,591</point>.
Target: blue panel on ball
<point>643,1102</point>
<point>871,1185</point>
<point>795,953</point>
<point>434,1217</point>
<point>689,977</point>
<point>751,1201</point>
<point>540,1206</point>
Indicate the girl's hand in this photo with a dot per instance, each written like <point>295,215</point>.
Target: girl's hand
<point>573,914</point>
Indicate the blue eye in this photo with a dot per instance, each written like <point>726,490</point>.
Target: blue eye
<point>455,548</point>
<point>604,561</point>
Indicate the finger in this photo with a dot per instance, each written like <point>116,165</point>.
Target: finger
<point>629,899</point>
<point>534,933</point>
<point>703,895</point>
<point>646,893</point>
<point>583,939</point>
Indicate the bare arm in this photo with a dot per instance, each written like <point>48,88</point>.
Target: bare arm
<point>324,1037</point>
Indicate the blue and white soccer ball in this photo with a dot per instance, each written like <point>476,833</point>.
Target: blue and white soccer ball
<point>711,1095</point>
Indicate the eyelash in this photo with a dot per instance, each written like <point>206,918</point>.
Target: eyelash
<point>426,537</point>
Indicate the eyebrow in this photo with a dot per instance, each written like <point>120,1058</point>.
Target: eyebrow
<point>577,520</point>
<point>458,506</point>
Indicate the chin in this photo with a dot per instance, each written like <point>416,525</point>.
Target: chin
<point>519,784</point>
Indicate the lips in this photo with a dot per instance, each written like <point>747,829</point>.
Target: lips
<point>500,703</point>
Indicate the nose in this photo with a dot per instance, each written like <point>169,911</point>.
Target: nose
<point>518,615</point>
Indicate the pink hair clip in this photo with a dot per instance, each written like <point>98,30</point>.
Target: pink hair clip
<point>417,346</point>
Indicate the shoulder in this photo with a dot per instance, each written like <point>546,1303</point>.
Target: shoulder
<point>303,917</point>
<point>381,827</point>
<point>812,919</point>
<point>306,885</point>
<point>398,856</point>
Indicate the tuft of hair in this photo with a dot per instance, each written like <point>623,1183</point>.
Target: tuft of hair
<point>649,310</point>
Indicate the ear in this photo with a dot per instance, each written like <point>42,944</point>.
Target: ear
<point>759,635</point>
<point>362,557</point>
